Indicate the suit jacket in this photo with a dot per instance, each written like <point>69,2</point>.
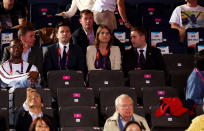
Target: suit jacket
<point>75,59</point>
<point>23,120</point>
<point>79,37</point>
<point>115,57</point>
<point>153,61</point>
<point>35,57</point>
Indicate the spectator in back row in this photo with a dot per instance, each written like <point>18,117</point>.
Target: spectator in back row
<point>189,15</point>
<point>141,56</point>
<point>103,55</point>
<point>85,35</point>
<point>64,55</point>
<point>11,14</point>
<point>124,113</point>
<point>195,83</point>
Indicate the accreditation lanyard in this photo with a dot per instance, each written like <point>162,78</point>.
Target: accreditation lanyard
<point>11,69</point>
<point>104,59</point>
<point>199,74</point>
<point>121,124</point>
<point>59,58</point>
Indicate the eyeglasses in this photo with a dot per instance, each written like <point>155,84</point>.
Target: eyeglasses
<point>16,47</point>
<point>126,105</point>
<point>105,33</point>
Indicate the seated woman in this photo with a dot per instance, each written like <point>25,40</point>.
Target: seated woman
<point>195,83</point>
<point>103,55</point>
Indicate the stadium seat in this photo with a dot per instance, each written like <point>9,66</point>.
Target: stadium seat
<point>152,96</point>
<point>75,97</point>
<point>4,119</point>
<point>64,79</point>
<point>4,96</point>
<point>146,78</point>
<point>78,116</point>
<point>168,122</point>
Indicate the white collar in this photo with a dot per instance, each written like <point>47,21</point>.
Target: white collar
<point>145,48</point>
<point>87,33</point>
<point>62,45</point>
<point>34,116</point>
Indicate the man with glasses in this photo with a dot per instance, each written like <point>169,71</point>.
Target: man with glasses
<point>16,72</point>
<point>124,113</point>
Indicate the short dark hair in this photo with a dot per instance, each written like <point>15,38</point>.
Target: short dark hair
<point>62,24</point>
<point>16,40</point>
<point>85,12</point>
<point>132,122</point>
<point>23,30</point>
<point>141,30</point>
<point>199,60</point>
<point>45,119</point>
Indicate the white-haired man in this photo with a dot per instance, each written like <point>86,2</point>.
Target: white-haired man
<point>124,113</point>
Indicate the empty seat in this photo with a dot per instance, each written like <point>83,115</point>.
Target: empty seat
<point>105,78</point>
<point>64,79</point>
<point>176,62</point>
<point>4,119</point>
<point>20,97</point>
<point>167,122</point>
<point>152,96</point>
<point>75,97</point>
<point>179,80</point>
<point>4,96</point>
<point>44,14</point>
<point>80,129</point>
<point>78,116</point>
<point>146,78</point>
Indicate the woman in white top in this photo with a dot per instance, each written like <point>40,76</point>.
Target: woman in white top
<point>77,4</point>
<point>103,55</point>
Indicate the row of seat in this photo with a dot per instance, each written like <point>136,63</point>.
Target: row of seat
<point>75,110</point>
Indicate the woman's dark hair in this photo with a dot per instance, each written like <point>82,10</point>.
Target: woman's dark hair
<point>45,119</point>
<point>199,60</point>
<point>134,122</point>
<point>97,41</point>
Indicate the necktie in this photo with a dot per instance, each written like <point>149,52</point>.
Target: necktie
<point>141,58</point>
<point>64,56</point>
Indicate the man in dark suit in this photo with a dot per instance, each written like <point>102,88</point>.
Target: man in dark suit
<point>31,54</point>
<point>31,110</point>
<point>141,56</point>
<point>64,54</point>
<point>85,35</point>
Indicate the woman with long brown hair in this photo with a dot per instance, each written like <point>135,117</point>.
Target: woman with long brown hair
<point>103,55</point>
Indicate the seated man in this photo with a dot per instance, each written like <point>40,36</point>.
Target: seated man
<point>124,113</point>
<point>31,110</point>
<point>63,55</point>
<point>189,15</point>
<point>141,56</point>
<point>17,73</point>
